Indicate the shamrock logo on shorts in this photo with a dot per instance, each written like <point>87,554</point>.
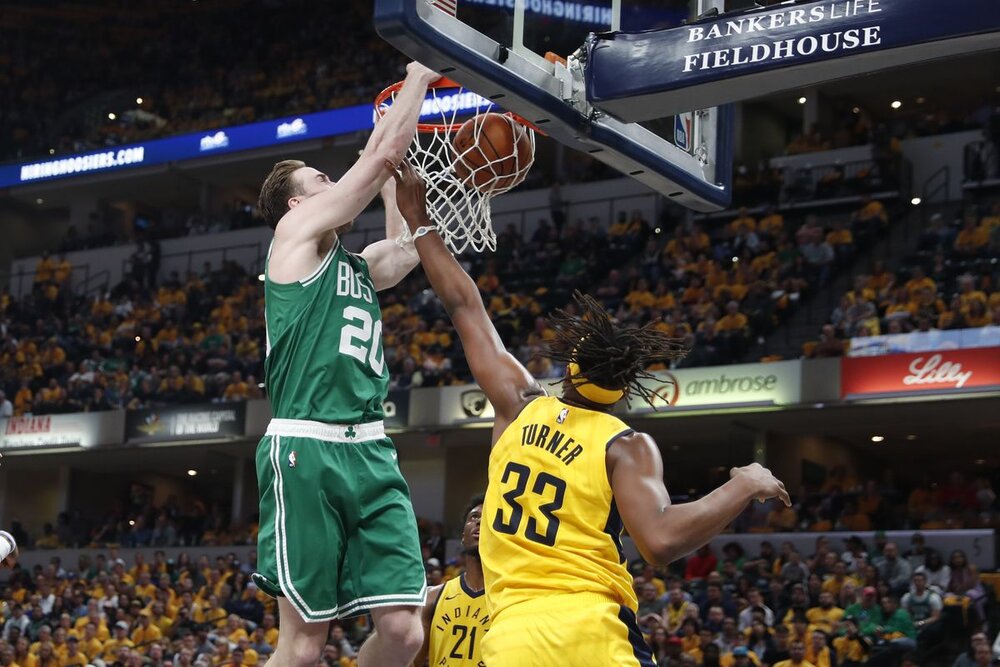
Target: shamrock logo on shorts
<point>350,432</point>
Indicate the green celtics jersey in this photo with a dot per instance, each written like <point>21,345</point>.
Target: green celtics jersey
<point>324,344</point>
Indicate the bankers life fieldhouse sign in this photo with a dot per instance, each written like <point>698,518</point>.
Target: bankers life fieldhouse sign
<point>746,54</point>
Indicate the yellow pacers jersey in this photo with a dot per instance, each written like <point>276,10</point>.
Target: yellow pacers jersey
<point>460,620</point>
<point>550,523</point>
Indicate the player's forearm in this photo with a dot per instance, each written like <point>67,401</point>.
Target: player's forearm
<point>394,223</point>
<point>449,280</point>
<point>688,526</point>
<point>389,262</point>
<point>395,131</point>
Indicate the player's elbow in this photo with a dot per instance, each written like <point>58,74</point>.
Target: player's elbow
<point>391,147</point>
<point>658,550</point>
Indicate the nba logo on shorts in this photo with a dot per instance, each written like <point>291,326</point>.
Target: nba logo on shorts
<point>291,460</point>
<point>682,130</point>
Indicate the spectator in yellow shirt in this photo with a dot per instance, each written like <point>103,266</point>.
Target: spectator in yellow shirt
<point>850,648</point>
<point>745,222</point>
<point>978,315</point>
<point>871,216</point>
<point>91,645</point>
<point>854,520</point>
<point>62,270</point>
<point>971,240</point>
<point>834,582</point>
<point>797,651</point>
<point>237,389</point>
<point>146,633</point>
<point>118,641</point>
<point>818,653</point>
<point>250,656</point>
<point>44,269</point>
<point>270,630</point>
<point>733,323</point>
<point>641,297</point>
<point>235,628</point>
<point>23,400</point>
<point>74,656</point>
<point>772,224</point>
<point>918,281</point>
<point>967,292</point>
<point>826,616</point>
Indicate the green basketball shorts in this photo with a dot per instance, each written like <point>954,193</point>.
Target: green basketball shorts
<point>337,532</point>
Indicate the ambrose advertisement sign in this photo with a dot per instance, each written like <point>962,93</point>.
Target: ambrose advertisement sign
<point>742,384</point>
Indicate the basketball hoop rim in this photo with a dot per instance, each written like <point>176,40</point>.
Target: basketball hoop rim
<point>431,128</point>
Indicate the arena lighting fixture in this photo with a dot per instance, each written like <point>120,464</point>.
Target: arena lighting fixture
<point>138,338</point>
<point>260,277</point>
<point>802,100</point>
<point>111,116</point>
<point>192,472</point>
<point>52,151</point>
<point>131,522</point>
<point>915,201</point>
<point>856,110</point>
<point>735,259</point>
<point>260,385</point>
<point>911,437</point>
<point>878,438</point>
<point>39,201</point>
<point>138,100</point>
<point>921,100</point>
<point>896,104</point>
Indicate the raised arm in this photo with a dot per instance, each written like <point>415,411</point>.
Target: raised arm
<point>314,216</point>
<point>507,383</point>
<point>664,532</point>
<point>389,261</point>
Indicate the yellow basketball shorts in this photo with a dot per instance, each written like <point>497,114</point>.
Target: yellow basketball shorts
<point>563,630</point>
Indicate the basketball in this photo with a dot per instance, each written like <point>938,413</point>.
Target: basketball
<point>493,152</point>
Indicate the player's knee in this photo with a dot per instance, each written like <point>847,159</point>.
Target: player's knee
<point>301,653</point>
<point>402,629</point>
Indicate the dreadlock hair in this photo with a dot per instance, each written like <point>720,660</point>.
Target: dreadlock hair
<point>608,354</point>
<point>474,502</point>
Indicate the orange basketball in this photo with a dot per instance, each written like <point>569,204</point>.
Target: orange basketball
<point>493,152</point>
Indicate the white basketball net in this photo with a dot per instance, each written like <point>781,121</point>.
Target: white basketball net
<point>461,207</point>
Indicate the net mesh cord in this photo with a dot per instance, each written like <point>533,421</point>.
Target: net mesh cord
<point>460,207</point>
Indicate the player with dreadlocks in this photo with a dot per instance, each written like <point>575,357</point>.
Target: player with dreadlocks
<point>565,474</point>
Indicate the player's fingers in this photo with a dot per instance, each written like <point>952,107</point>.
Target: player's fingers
<point>392,170</point>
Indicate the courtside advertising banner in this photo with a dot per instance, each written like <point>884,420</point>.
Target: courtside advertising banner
<point>741,385</point>
<point>944,371</point>
<point>778,383</point>
<point>217,421</point>
<point>81,429</point>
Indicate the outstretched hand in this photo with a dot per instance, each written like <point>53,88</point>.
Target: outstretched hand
<point>763,482</point>
<point>411,194</point>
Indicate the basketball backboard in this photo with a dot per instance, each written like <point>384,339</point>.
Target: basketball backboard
<point>498,49</point>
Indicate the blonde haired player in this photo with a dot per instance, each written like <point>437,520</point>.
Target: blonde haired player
<point>337,533</point>
<point>566,475</point>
